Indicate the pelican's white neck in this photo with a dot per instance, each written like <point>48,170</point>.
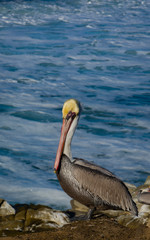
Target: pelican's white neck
<point>67,146</point>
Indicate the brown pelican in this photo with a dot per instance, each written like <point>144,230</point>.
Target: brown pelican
<point>144,196</point>
<point>83,181</point>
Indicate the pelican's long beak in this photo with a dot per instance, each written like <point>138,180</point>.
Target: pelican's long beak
<point>64,130</point>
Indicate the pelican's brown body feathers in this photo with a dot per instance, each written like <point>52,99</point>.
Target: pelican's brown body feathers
<point>83,181</point>
<point>92,187</point>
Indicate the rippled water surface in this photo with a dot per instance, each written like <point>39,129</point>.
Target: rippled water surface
<point>95,51</point>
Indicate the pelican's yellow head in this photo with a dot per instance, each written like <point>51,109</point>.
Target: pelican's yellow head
<point>71,105</point>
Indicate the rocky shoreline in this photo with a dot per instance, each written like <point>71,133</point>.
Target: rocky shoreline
<point>26,221</point>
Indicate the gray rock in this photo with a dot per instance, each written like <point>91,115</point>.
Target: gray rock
<point>29,218</point>
<point>76,206</point>
<point>6,209</point>
<point>44,217</point>
<point>11,225</point>
<point>147,182</point>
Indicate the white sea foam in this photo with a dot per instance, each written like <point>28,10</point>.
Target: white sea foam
<point>90,26</point>
<point>45,196</point>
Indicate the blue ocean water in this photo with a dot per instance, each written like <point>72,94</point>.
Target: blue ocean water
<point>96,51</point>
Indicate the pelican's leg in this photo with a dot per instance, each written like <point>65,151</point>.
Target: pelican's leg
<point>87,216</point>
<point>90,213</point>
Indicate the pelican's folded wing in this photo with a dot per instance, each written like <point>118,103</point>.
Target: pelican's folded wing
<point>87,164</point>
<point>109,189</point>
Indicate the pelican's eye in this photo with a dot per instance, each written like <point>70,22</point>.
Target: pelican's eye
<point>70,115</point>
